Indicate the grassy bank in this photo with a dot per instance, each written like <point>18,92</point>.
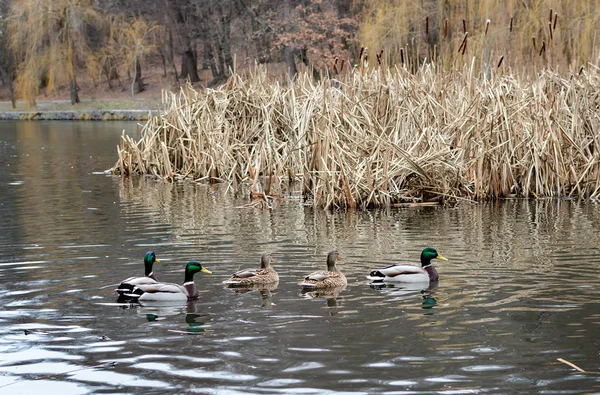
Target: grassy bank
<point>382,137</point>
<point>84,105</point>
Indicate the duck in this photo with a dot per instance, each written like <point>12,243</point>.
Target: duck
<point>255,277</point>
<point>410,273</point>
<point>331,278</point>
<point>170,292</point>
<point>130,283</point>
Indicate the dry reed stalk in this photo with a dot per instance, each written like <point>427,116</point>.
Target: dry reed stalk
<point>381,137</point>
<point>577,368</point>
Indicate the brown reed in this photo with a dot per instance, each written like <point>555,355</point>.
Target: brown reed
<point>378,137</point>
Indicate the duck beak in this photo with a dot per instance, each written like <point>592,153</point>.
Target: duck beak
<point>441,258</point>
<point>203,270</point>
<point>273,260</point>
<point>157,260</point>
<point>339,258</point>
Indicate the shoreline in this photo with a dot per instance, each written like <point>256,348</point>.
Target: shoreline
<point>77,115</point>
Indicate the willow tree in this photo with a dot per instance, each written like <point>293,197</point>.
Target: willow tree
<point>135,39</point>
<point>50,43</point>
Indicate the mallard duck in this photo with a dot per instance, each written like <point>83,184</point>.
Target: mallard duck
<point>129,284</point>
<point>169,292</point>
<point>331,278</point>
<point>410,273</point>
<point>251,277</point>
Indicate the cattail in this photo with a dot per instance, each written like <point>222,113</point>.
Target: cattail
<point>427,25</point>
<point>464,26</point>
<point>534,46</point>
<point>555,19</point>
<point>446,27</point>
<point>511,23</point>
<point>487,25</point>
<point>342,65</point>
<point>402,56</point>
<point>581,70</point>
<point>463,44</point>
<point>500,62</point>
<point>550,30</point>
<point>543,49</point>
<point>551,14</point>
<point>361,52</point>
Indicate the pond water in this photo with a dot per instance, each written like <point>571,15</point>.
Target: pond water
<point>520,290</point>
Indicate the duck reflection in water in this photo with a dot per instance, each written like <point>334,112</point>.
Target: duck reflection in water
<point>331,295</point>
<point>409,291</point>
<point>266,291</point>
<point>195,322</point>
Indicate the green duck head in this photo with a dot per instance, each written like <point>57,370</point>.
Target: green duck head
<point>428,254</point>
<point>192,268</point>
<point>149,260</point>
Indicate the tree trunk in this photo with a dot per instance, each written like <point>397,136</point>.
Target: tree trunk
<point>289,52</point>
<point>74,90</point>
<point>226,36</point>
<point>134,78</point>
<point>13,100</point>
<point>8,78</point>
<point>209,58</point>
<point>170,55</point>
<point>189,65</point>
<point>139,84</point>
<point>315,72</point>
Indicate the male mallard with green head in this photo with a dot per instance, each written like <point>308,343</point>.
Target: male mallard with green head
<point>331,278</point>
<point>254,277</point>
<point>129,284</point>
<point>410,273</point>
<point>170,292</point>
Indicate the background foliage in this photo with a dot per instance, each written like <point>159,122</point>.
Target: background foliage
<point>47,45</point>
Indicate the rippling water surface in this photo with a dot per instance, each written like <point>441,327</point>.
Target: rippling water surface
<point>520,289</point>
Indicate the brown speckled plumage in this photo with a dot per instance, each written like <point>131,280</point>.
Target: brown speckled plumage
<point>251,277</point>
<point>330,278</point>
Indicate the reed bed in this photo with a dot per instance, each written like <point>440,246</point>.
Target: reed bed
<point>381,137</point>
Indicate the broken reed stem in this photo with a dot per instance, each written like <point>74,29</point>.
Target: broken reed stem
<point>378,137</point>
<point>571,364</point>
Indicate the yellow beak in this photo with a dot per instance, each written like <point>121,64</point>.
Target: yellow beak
<point>273,260</point>
<point>441,258</point>
<point>157,260</point>
<point>203,270</point>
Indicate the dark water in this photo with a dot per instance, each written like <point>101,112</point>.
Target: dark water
<point>520,290</point>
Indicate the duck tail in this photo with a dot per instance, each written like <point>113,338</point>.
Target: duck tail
<point>376,274</point>
<point>124,289</point>
<point>131,296</point>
